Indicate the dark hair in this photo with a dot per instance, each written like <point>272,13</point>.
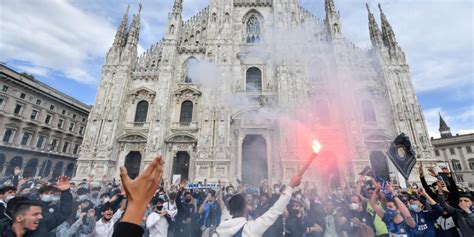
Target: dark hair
<point>237,204</point>
<point>82,191</point>
<point>157,200</point>
<point>212,193</point>
<point>107,206</point>
<point>5,189</point>
<point>104,195</point>
<point>47,189</point>
<point>466,195</point>
<point>265,195</point>
<point>228,187</point>
<point>20,205</point>
<point>172,196</point>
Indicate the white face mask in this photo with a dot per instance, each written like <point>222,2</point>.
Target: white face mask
<point>354,206</point>
<point>47,198</point>
<point>8,198</point>
<point>107,199</point>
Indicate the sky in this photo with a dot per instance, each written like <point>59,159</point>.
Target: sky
<point>63,43</point>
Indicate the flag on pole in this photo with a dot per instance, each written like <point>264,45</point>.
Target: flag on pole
<point>402,155</point>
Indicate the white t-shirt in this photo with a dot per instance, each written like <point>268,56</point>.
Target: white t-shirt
<point>157,225</point>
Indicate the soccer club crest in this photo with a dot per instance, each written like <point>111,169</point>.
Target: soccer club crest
<point>402,155</point>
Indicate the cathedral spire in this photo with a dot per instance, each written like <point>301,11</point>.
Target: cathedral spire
<point>332,19</point>
<point>444,130</point>
<point>329,6</point>
<point>133,34</point>
<point>177,7</point>
<point>387,32</point>
<point>375,34</point>
<point>121,35</point>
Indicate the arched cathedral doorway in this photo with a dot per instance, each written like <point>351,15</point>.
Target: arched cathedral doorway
<point>132,162</point>
<point>181,165</point>
<point>254,160</point>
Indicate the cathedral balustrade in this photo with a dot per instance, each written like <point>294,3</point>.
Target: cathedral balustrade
<point>253,3</point>
<point>184,126</point>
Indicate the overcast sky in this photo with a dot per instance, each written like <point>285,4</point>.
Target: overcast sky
<point>63,43</point>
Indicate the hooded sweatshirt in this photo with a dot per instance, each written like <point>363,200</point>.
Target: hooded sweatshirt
<point>258,226</point>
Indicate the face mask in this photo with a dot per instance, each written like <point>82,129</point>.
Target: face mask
<point>159,208</point>
<point>109,187</point>
<point>104,200</point>
<point>188,200</point>
<point>46,198</point>
<point>354,206</point>
<point>231,191</point>
<point>55,198</point>
<point>162,197</point>
<point>391,213</point>
<point>299,197</point>
<point>8,198</point>
<point>414,207</point>
<point>81,198</point>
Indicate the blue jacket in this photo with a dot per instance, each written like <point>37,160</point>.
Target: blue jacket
<point>425,222</point>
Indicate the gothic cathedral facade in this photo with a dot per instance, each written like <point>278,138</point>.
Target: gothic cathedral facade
<point>357,101</point>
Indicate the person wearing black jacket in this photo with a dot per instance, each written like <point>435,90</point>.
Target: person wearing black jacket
<point>6,193</point>
<point>46,225</point>
<point>294,225</point>
<point>186,212</point>
<point>25,217</point>
<point>50,222</point>
<point>463,217</point>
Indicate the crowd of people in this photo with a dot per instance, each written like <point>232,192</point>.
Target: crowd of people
<point>145,206</point>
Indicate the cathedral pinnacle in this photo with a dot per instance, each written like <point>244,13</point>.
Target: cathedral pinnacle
<point>134,32</point>
<point>375,34</point>
<point>332,19</point>
<point>121,35</point>
<point>329,6</point>
<point>178,6</point>
<point>387,32</point>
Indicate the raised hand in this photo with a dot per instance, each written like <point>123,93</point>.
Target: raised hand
<point>63,183</point>
<point>376,185</point>
<point>141,189</point>
<point>295,181</point>
<point>432,172</point>
<point>445,170</point>
<point>420,170</point>
<point>182,184</point>
<point>421,191</point>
